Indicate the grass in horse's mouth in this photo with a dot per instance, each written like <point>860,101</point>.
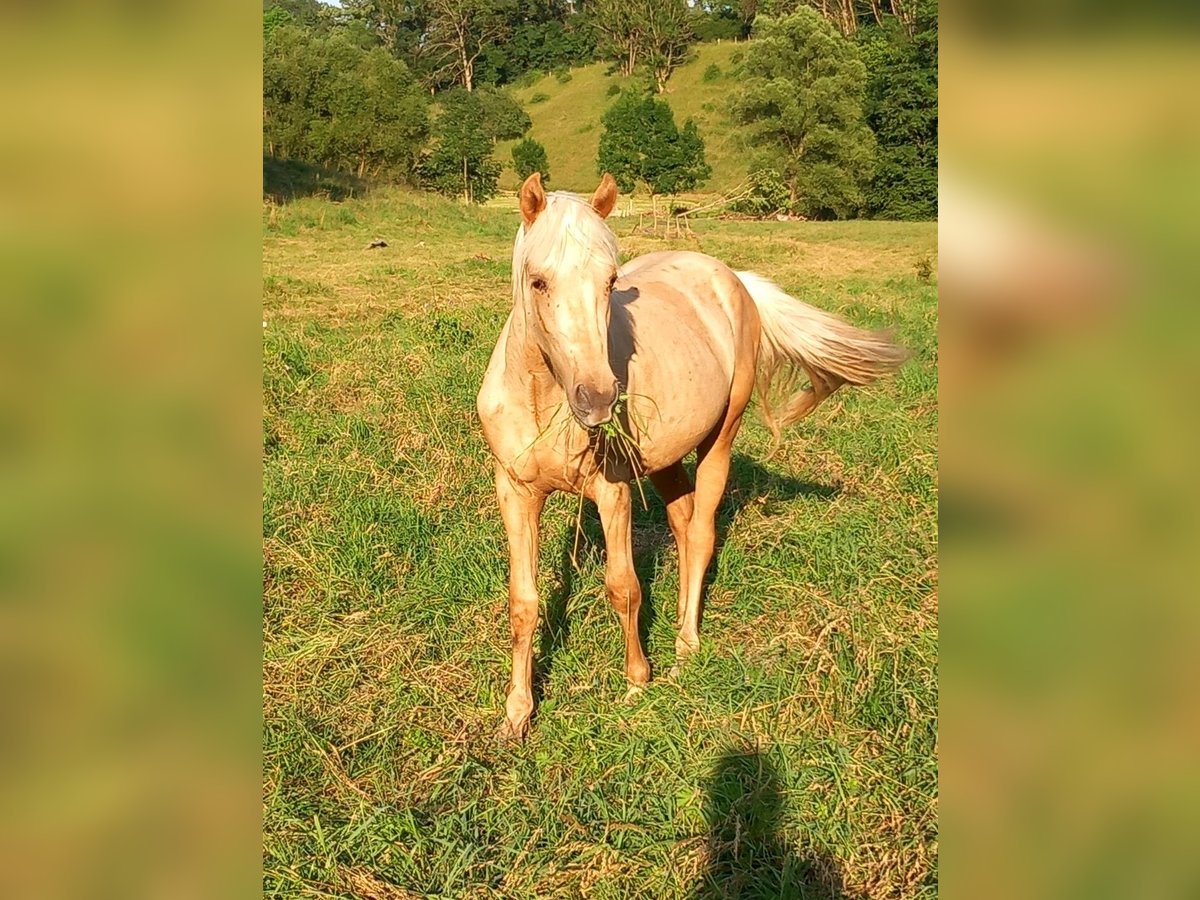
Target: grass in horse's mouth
<point>617,437</point>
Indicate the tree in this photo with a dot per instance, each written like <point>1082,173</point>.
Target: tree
<point>528,157</point>
<point>847,15</point>
<point>618,32</point>
<point>458,32</point>
<point>274,17</point>
<point>902,110</point>
<point>717,22</point>
<point>328,101</point>
<point>803,102</point>
<point>666,36</point>
<point>503,116</point>
<point>545,36</point>
<point>641,143</point>
<point>306,13</point>
<point>651,33</point>
<point>461,162</point>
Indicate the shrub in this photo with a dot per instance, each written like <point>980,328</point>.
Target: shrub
<point>641,142</point>
<point>329,102</point>
<point>802,100</point>
<point>562,77</point>
<point>613,90</point>
<point>528,157</point>
<point>502,115</point>
<point>539,97</point>
<point>736,57</point>
<point>712,73</point>
<point>924,266</point>
<point>769,194</point>
<point>462,163</point>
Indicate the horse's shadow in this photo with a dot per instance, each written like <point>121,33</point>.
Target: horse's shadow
<point>749,482</point>
<point>747,858</point>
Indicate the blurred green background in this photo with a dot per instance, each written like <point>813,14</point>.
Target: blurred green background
<point>130,441</point>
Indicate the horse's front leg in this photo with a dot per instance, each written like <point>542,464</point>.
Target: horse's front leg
<point>620,579</point>
<point>521,509</point>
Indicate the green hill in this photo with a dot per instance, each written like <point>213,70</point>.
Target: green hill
<point>568,122</point>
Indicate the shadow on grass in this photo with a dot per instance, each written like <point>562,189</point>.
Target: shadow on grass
<point>749,481</point>
<point>285,180</point>
<point>747,857</point>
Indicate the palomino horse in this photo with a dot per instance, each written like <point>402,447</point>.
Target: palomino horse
<point>604,373</point>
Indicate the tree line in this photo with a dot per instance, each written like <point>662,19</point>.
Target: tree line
<point>837,99</point>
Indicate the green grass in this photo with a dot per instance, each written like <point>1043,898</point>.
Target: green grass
<point>568,122</point>
<point>795,755</point>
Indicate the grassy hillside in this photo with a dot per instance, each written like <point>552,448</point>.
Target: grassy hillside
<point>808,718</point>
<point>568,123</point>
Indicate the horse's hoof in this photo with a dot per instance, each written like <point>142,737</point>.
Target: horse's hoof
<point>683,649</point>
<point>512,734</point>
<point>635,690</point>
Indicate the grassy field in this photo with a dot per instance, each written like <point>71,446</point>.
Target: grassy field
<point>794,756</point>
<point>568,122</point>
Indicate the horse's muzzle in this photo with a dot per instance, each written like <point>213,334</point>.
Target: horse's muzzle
<point>593,407</point>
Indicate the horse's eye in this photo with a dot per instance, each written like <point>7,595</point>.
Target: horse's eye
<point>539,284</point>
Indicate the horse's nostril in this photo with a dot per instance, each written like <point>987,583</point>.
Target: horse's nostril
<point>582,397</point>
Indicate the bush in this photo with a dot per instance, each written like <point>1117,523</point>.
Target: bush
<point>539,97</point>
<point>901,107</point>
<point>613,90</point>
<point>502,115</point>
<point>529,156</point>
<point>801,99</point>
<point>736,57</point>
<point>641,142</point>
<point>461,163</point>
<point>712,73</point>
<point>329,102</point>
<point>562,77</point>
<point>924,266</point>
<point>769,194</point>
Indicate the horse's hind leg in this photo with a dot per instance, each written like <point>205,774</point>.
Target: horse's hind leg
<point>674,485</point>
<point>712,472</point>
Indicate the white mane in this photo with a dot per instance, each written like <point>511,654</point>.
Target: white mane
<point>568,236</point>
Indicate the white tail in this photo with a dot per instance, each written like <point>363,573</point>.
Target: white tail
<point>801,339</point>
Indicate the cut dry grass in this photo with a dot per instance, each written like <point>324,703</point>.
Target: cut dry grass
<point>795,755</point>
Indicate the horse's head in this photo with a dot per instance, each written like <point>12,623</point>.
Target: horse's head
<point>564,265</point>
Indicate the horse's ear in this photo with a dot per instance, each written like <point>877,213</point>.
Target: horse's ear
<point>605,197</point>
<point>533,198</point>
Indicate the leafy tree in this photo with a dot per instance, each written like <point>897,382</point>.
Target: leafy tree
<point>618,32</point>
<point>667,36</point>
<point>717,22</point>
<point>461,162</point>
<point>458,32</point>
<point>655,34</point>
<point>641,143</point>
<point>528,157</point>
<point>803,102</point>
<point>545,36</point>
<point>307,13</point>
<point>502,115</point>
<point>328,101</point>
<point>902,109</point>
<point>273,17</point>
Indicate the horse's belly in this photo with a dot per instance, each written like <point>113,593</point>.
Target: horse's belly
<point>677,395</point>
